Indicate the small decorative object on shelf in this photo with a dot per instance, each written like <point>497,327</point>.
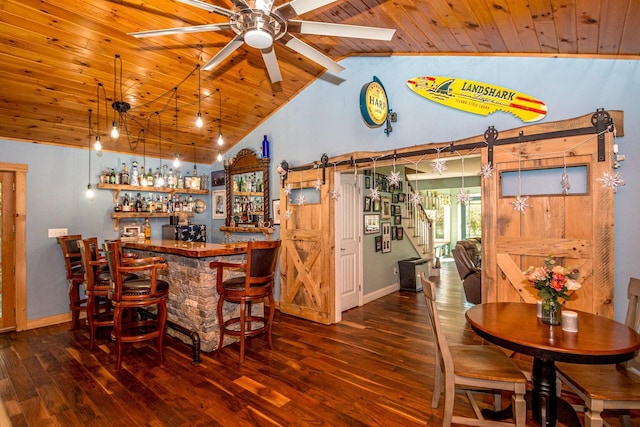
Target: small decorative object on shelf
<point>553,282</point>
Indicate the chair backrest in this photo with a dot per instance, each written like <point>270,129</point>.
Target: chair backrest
<point>443,355</point>
<point>633,316</point>
<point>262,258</point>
<point>463,262</point>
<point>85,247</point>
<point>71,253</point>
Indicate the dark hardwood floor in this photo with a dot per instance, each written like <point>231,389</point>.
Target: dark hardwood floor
<point>375,368</point>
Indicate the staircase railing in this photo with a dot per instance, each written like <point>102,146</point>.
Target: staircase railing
<point>419,225</point>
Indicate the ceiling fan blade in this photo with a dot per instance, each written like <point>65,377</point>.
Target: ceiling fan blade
<point>340,30</point>
<point>208,7</point>
<point>298,7</point>
<point>315,55</point>
<point>271,61</point>
<point>181,30</point>
<point>231,47</point>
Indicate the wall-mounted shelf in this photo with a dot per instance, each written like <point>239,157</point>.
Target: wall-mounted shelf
<point>117,216</point>
<point>267,231</point>
<point>117,188</point>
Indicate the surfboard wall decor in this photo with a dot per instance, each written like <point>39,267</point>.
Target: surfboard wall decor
<point>477,97</point>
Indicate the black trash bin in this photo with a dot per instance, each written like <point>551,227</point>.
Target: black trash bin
<point>410,271</point>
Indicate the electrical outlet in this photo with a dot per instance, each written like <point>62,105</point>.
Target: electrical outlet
<point>57,232</point>
<point>395,270</point>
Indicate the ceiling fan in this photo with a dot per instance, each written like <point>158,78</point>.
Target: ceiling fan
<point>258,25</point>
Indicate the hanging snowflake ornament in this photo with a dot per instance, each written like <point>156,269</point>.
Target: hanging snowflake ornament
<point>486,171</point>
<point>287,189</point>
<point>611,180</point>
<point>374,193</point>
<point>463,197</point>
<point>318,184</point>
<point>415,198</point>
<point>520,204</point>
<point>564,182</point>
<point>394,178</point>
<point>334,194</point>
<point>287,214</point>
<point>439,166</point>
<point>300,199</point>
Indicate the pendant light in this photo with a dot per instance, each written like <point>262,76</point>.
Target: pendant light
<point>119,106</point>
<point>89,193</point>
<point>160,178</point>
<point>98,144</point>
<point>195,159</point>
<point>199,119</point>
<point>220,141</point>
<point>176,160</point>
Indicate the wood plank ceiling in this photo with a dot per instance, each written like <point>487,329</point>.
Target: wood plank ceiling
<point>55,52</point>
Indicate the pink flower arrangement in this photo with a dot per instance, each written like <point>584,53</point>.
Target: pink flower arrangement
<point>553,281</point>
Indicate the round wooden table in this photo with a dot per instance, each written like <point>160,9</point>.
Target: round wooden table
<point>516,327</point>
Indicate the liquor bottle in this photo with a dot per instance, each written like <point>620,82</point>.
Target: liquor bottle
<point>265,147</point>
<point>112,177</point>
<point>143,177</point>
<point>171,179</point>
<point>147,229</point>
<point>124,176</point>
<point>135,178</point>
<point>150,176</point>
<point>138,203</point>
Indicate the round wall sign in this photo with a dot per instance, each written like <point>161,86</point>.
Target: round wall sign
<point>374,105</point>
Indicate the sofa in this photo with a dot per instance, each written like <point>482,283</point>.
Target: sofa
<point>467,255</point>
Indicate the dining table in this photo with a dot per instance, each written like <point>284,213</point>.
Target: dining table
<point>516,326</point>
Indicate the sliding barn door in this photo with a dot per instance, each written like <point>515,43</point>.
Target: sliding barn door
<point>577,227</point>
<point>306,281</point>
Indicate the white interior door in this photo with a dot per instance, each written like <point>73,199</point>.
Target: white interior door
<point>348,241</point>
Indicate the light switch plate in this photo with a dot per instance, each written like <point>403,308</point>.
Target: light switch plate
<point>57,232</point>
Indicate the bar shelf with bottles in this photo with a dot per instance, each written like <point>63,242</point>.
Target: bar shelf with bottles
<point>165,182</point>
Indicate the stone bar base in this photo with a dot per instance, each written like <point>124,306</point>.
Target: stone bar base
<point>193,297</point>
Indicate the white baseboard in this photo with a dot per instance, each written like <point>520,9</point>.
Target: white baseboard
<point>381,292</point>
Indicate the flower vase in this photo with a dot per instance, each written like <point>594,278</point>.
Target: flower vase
<point>551,311</point>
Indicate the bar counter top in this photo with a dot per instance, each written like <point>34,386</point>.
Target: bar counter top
<point>188,249</point>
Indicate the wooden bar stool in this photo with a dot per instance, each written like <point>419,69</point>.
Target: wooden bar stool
<point>130,297</point>
<point>75,275</point>
<point>255,285</point>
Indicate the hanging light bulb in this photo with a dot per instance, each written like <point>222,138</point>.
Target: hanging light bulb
<point>89,192</point>
<point>220,156</point>
<point>115,133</point>
<point>220,141</point>
<point>199,118</point>
<point>98,145</point>
<point>176,160</point>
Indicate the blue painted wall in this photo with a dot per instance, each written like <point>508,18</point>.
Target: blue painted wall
<point>325,118</point>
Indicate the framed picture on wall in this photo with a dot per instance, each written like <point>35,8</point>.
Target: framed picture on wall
<point>394,198</point>
<point>386,207</point>
<point>386,237</point>
<point>218,199</point>
<point>371,223</point>
<point>376,205</point>
<point>394,232</point>
<point>378,241</point>
<point>367,182</point>
<point>217,178</point>
<point>401,197</point>
<point>275,204</point>
<point>399,233</point>
<point>397,219</point>
<point>367,204</point>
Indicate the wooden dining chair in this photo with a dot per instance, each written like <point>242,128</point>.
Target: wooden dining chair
<point>608,387</point>
<point>470,369</point>
<point>127,296</point>
<point>75,275</point>
<point>255,285</point>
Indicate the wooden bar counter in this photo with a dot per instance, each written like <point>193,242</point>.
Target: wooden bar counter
<point>192,284</point>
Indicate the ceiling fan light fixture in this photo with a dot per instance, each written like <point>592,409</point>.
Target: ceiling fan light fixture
<point>258,38</point>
